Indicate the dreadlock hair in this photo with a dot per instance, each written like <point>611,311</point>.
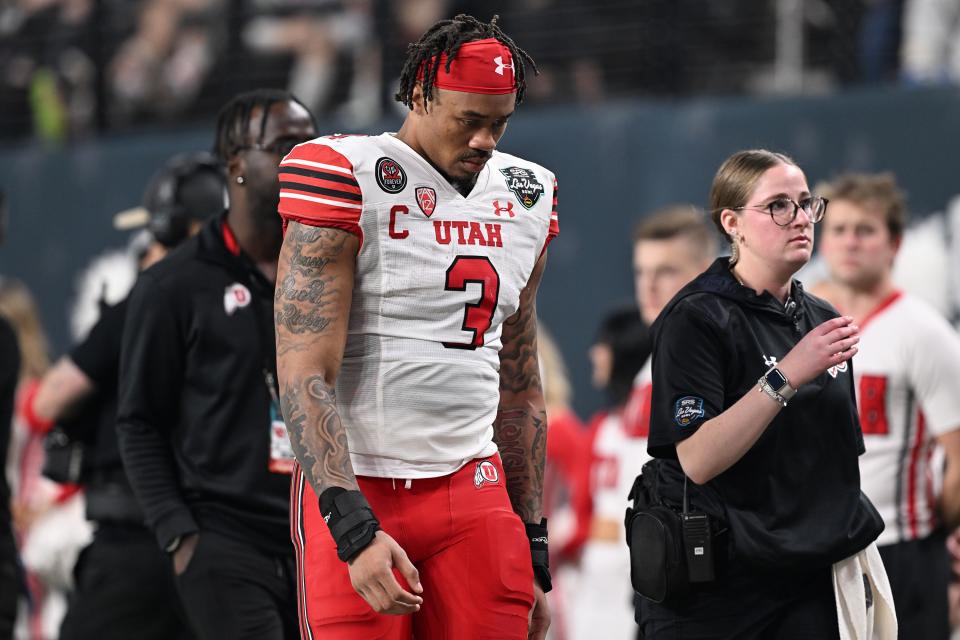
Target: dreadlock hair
<point>233,121</point>
<point>446,37</point>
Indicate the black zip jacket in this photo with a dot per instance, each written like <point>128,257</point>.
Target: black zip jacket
<point>793,500</point>
<point>194,405</point>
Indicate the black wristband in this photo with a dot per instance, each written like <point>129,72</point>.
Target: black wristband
<point>350,519</point>
<point>537,534</point>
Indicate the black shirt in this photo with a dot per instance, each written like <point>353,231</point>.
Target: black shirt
<point>794,499</point>
<point>98,357</point>
<point>194,407</point>
<point>9,375</point>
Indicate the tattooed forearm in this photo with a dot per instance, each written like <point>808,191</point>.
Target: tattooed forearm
<point>521,437</point>
<point>520,429</point>
<point>316,433</point>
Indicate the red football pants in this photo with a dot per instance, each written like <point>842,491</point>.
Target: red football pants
<point>458,530</point>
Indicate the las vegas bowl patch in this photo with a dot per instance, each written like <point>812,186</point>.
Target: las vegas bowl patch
<point>524,185</point>
<point>688,409</point>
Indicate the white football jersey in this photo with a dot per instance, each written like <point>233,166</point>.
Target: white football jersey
<point>620,449</point>
<point>437,274</point>
<point>907,372</point>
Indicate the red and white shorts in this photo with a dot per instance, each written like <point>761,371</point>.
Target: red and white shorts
<point>458,530</point>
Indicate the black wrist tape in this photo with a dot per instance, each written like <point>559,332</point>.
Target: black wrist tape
<point>350,519</point>
<point>537,534</point>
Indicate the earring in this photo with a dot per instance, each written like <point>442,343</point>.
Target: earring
<point>240,180</point>
<point>734,249</point>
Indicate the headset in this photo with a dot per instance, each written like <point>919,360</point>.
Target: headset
<point>189,187</point>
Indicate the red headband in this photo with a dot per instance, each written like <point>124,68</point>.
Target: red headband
<point>480,66</point>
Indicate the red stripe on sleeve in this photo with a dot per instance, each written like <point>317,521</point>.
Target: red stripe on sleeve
<point>318,187</point>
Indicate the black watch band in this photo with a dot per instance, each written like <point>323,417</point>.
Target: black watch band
<point>539,554</point>
<point>350,519</point>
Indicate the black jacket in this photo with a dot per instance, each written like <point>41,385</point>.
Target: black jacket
<point>9,376</point>
<point>194,406</point>
<point>794,499</point>
<point>109,497</point>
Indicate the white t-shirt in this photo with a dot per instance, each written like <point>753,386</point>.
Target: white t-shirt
<point>907,375</point>
<point>437,274</point>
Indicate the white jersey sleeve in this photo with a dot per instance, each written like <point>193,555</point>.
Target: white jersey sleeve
<point>437,274</point>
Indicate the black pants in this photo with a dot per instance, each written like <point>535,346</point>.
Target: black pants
<point>745,606</point>
<point>10,582</point>
<point>233,591</point>
<point>124,590</point>
<point>919,573</point>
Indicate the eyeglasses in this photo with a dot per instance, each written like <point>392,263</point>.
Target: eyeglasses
<point>280,146</point>
<point>783,211</point>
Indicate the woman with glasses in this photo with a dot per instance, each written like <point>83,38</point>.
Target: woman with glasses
<point>753,416</point>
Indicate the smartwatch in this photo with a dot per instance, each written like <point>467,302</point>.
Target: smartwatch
<point>774,381</point>
<point>779,383</point>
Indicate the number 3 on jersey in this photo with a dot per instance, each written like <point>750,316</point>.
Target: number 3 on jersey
<point>478,316</point>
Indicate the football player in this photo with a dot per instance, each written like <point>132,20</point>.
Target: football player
<point>406,336</point>
<point>906,376</point>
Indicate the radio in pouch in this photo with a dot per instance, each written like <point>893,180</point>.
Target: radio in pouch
<point>669,550</point>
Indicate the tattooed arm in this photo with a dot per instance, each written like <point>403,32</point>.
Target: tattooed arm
<point>314,291</point>
<point>520,429</point>
<point>312,306</point>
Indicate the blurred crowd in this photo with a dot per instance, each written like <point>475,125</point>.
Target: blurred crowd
<point>72,67</point>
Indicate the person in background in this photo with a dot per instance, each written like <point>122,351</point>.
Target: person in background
<point>753,421</point>
<point>47,516</point>
<point>10,578</point>
<point>566,490</point>
<point>671,246</point>
<point>199,426</point>
<point>123,583</point>
<point>907,372</point>
<point>602,605</point>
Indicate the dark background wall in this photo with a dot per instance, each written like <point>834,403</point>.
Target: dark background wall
<point>614,163</point>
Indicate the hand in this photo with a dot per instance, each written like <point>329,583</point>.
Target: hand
<point>829,344</point>
<point>953,548</point>
<point>539,618</point>
<point>371,573</point>
<point>184,553</point>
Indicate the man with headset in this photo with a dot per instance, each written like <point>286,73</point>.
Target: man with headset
<point>123,583</point>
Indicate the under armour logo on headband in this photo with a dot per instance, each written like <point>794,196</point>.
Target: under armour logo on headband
<point>500,66</point>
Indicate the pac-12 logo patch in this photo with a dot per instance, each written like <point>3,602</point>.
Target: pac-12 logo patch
<point>486,472</point>
<point>524,185</point>
<point>426,200</point>
<point>687,409</point>
<point>235,297</point>
<point>837,369</point>
<point>390,175</point>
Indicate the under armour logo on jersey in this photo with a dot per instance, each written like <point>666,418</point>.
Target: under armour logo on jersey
<point>236,297</point>
<point>486,472</point>
<point>501,66</point>
<point>497,209</point>
<point>770,362</point>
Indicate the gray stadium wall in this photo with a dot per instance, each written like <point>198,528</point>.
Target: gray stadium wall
<point>614,162</point>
